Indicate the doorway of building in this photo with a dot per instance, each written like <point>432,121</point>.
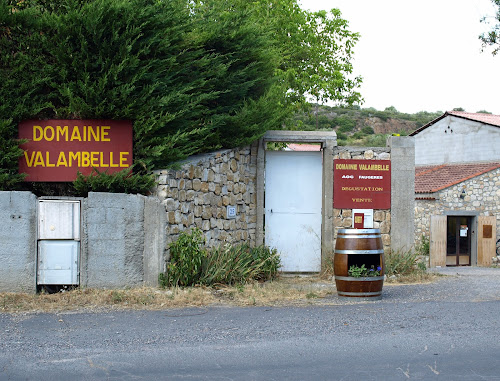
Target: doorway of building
<point>458,242</point>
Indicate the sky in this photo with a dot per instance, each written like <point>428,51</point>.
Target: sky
<point>421,55</point>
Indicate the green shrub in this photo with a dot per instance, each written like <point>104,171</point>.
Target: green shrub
<point>367,130</point>
<point>376,140</point>
<point>423,248</point>
<point>238,264</point>
<point>358,135</point>
<point>119,182</point>
<point>341,136</point>
<point>192,264</point>
<point>402,263</point>
<point>186,257</point>
<point>345,124</point>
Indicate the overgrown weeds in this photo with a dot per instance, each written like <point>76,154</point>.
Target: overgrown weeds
<point>192,264</point>
<point>239,264</point>
<point>423,247</point>
<point>186,259</point>
<point>405,267</point>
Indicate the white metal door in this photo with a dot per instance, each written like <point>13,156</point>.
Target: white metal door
<point>293,208</point>
<point>58,242</point>
<point>58,262</point>
<point>59,219</point>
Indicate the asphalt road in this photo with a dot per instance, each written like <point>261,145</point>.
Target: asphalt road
<point>447,330</point>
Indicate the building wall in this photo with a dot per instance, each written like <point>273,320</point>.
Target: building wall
<point>462,140</point>
<point>198,193</point>
<point>482,195</point>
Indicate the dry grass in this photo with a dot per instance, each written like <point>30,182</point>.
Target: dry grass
<point>287,290</point>
<point>416,278</point>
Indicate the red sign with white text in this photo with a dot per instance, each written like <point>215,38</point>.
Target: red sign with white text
<point>362,184</point>
<point>57,149</point>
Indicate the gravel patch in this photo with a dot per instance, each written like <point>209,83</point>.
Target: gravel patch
<point>458,284</point>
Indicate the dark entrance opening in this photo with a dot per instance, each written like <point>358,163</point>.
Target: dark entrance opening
<point>458,250</point>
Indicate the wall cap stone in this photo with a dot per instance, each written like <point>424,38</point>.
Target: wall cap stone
<point>300,136</point>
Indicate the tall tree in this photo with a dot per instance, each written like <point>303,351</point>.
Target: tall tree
<point>192,75</point>
<point>188,83</point>
<point>316,50</point>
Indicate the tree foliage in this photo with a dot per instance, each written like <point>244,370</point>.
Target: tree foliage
<point>316,49</point>
<point>192,75</point>
<point>492,37</point>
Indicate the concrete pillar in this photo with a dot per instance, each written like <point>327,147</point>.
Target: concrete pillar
<point>402,192</point>
<point>261,167</point>
<point>327,233</point>
<point>155,220</point>
<point>18,240</point>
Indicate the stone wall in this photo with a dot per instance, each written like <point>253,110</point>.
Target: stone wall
<point>482,194</point>
<point>381,218</point>
<point>198,194</point>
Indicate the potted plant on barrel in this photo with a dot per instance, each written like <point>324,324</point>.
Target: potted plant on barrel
<point>358,272</point>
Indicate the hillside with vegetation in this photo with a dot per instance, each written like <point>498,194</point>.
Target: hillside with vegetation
<point>356,126</point>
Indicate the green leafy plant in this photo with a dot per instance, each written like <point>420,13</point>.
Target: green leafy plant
<point>362,271</point>
<point>192,264</point>
<point>423,248</point>
<point>120,182</point>
<point>402,263</point>
<point>186,257</point>
<point>239,264</point>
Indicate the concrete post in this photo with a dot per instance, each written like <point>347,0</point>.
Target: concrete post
<point>261,167</point>
<point>402,192</point>
<point>327,248</point>
<point>18,240</point>
<point>155,220</point>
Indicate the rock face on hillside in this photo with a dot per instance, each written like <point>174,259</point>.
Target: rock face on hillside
<point>388,126</point>
<point>358,123</point>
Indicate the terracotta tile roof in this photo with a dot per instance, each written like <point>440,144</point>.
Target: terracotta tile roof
<point>492,120</point>
<point>429,179</point>
<point>304,147</point>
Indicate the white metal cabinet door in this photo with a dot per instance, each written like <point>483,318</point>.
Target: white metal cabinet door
<point>59,219</point>
<point>58,262</point>
<point>293,208</point>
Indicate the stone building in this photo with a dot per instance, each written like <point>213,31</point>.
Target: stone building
<point>457,194</point>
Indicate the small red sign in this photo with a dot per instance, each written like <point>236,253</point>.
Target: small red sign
<point>359,220</point>
<point>362,184</point>
<point>57,149</point>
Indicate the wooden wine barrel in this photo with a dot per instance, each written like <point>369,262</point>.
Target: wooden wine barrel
<point>358,247</point>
